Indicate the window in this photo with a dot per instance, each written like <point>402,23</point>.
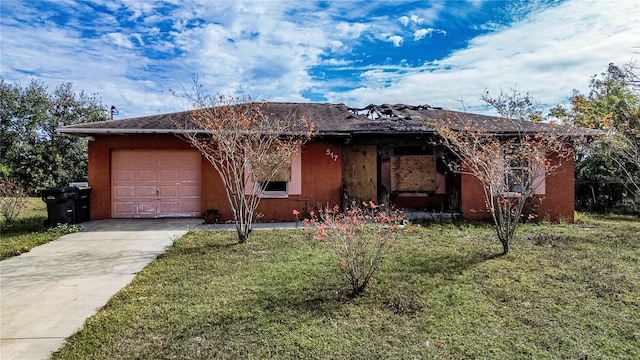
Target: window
<point>524,173</point>
<point>274,187</point>
<point>518,176</point>
<point>284,183</point>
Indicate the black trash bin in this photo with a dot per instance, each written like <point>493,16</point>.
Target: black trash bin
<point>83,205</point>
<point>61,205</point>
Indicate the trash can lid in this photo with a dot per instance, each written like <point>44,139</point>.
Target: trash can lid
<point>66,189</point>
<point>60,190</point>
<point>79,184</point>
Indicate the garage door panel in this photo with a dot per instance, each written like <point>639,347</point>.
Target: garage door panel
<point>171,160</point>
<point>190,206</point>
<point>122,175</point>
<point>189,175</point>
<point>124,191</point>
<point>190,162</point>
<point>123,162</point>
<point>156,183</point>
<point>147,207</point>
<point>190,191</point>
<point>146,191</point>
<point>145,159</point>
<point>170,207</point>
<point>168,191</point>
<point>125,207</point>
<point>168,175</point>
<point>147,175</point>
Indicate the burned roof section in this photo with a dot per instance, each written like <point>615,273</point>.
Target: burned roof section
<point>414,117</point>
<point>329,120</point>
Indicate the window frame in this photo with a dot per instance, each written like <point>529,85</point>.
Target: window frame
<point>293,187</point>
<point>536,176</point>
<point>517,184</point>
<point>266,193</point>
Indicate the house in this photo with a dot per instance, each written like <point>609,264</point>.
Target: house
<point>140,168</point>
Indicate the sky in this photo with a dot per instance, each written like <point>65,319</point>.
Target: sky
<point>137,54</point>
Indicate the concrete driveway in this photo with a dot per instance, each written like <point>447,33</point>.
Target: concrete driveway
<point>48,293</point>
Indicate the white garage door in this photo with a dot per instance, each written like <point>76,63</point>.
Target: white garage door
<point>155,183</point>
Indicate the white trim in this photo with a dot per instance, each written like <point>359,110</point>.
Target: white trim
<point>114,131</point>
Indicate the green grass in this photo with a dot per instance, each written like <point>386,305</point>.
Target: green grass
<point>28,230</point>
<point>564,291</point>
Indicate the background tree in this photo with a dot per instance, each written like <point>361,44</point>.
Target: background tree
<point>243,142</point>
<point>510,168</point>
<point>608,170</point>
<point>31,153</point>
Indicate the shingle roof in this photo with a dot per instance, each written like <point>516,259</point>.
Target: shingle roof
<point>329,119</point>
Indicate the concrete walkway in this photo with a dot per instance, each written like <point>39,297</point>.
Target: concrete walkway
<point>48,293</point>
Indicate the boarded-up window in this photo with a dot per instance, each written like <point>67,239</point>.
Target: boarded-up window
<point>359,172</point>
<point>291,187</point>
<point>416,173</point>
<point>267,165</point>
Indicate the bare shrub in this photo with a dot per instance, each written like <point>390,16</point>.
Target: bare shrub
<point>13,199</point>
<point>359,238</point>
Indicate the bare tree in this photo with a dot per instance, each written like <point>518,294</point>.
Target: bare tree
<point>245,145</point>
<point>510,157</point>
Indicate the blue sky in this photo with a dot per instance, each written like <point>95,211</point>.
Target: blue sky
<point>442,53</point>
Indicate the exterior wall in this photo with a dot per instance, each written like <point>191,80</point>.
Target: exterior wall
<point>321,184</point>
<point>321,177</point>
<point>100,166</point>
<point>559,200</point>
<point>556,205</point>
<point>322,181</point>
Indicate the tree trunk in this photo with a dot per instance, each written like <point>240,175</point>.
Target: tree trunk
<point>505,247</point>
<point>243,230</point>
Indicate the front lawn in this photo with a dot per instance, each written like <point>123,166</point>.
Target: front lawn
<point>28,230</point>
<point>566,291</point>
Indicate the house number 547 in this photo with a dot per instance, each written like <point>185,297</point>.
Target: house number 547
<point>332,155</point>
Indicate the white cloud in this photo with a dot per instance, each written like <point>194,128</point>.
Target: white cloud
<point>421,33</point>
<point>396,40</point>
<point>412,20</point>
<point>475,3</point>
<point>548,54</point>
<point>335,62</point>
<point>351,31</point>
<point>271,48</point>
<point>119,39</point>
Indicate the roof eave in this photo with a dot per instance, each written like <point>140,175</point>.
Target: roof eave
<point>116,131</point>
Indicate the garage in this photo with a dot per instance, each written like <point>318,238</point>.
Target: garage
<point>153,183</point>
